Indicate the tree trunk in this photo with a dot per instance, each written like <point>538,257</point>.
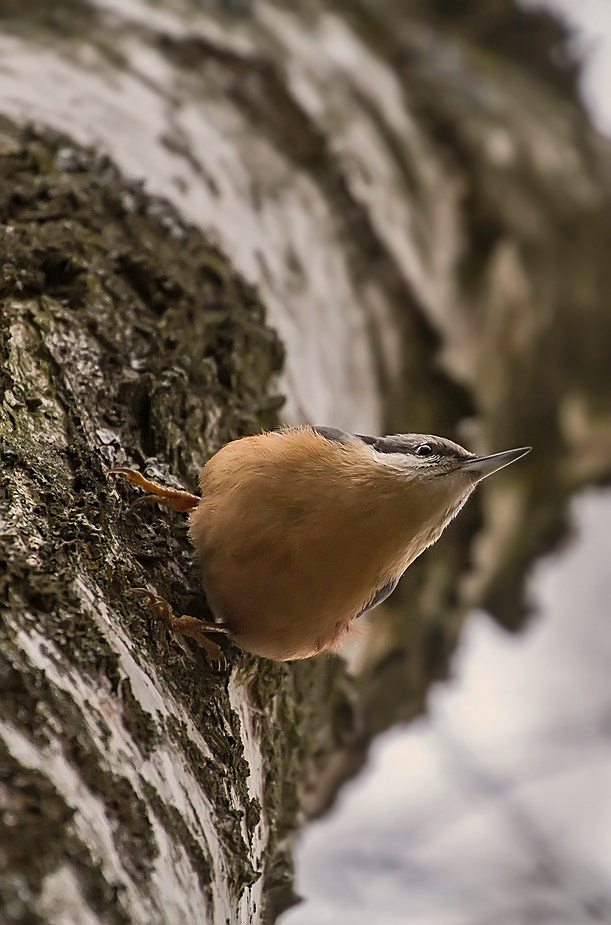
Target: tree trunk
<point>424,216</point>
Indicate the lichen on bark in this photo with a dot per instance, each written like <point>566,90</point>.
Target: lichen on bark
<point>114,315</point>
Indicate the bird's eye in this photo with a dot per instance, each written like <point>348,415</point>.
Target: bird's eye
<point>424,450</point>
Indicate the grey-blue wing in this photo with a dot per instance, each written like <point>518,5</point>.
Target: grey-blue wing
<point>334,434</point>
<point>379,596</point>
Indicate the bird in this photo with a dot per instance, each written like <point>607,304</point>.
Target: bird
<point>300,531</point>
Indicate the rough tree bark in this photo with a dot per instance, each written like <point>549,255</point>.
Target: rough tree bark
<point>417,199</point>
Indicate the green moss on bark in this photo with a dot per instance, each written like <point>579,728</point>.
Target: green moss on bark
<point>125,338</point>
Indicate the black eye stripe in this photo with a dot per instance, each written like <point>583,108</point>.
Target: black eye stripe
<point>401,445</point>
<point>409,444</point>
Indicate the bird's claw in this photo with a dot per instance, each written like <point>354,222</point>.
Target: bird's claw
<point>187,626</point>
<point>173,498</point>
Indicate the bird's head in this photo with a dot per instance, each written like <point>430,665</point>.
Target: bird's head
<point>439,475</point>
<point>424,457</point>
<point>432,476</point>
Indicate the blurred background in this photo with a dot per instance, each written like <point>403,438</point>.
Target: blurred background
<point>495,807</point>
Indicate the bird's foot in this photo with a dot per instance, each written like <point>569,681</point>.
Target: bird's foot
<point>170,497</point>
<point>188,626</point>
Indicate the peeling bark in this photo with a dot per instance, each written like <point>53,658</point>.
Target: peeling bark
<point>425,218</point>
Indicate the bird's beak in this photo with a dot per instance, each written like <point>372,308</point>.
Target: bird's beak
<point>482,466</point>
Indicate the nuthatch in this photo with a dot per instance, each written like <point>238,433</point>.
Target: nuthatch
<point>302,530</point>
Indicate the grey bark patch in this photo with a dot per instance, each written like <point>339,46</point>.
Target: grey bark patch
<point>172,821</point>
<point>36,838</point>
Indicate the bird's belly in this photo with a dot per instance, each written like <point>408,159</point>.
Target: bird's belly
<point>276,613</point>
<point>281,598</point>
<point>287,570</point>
